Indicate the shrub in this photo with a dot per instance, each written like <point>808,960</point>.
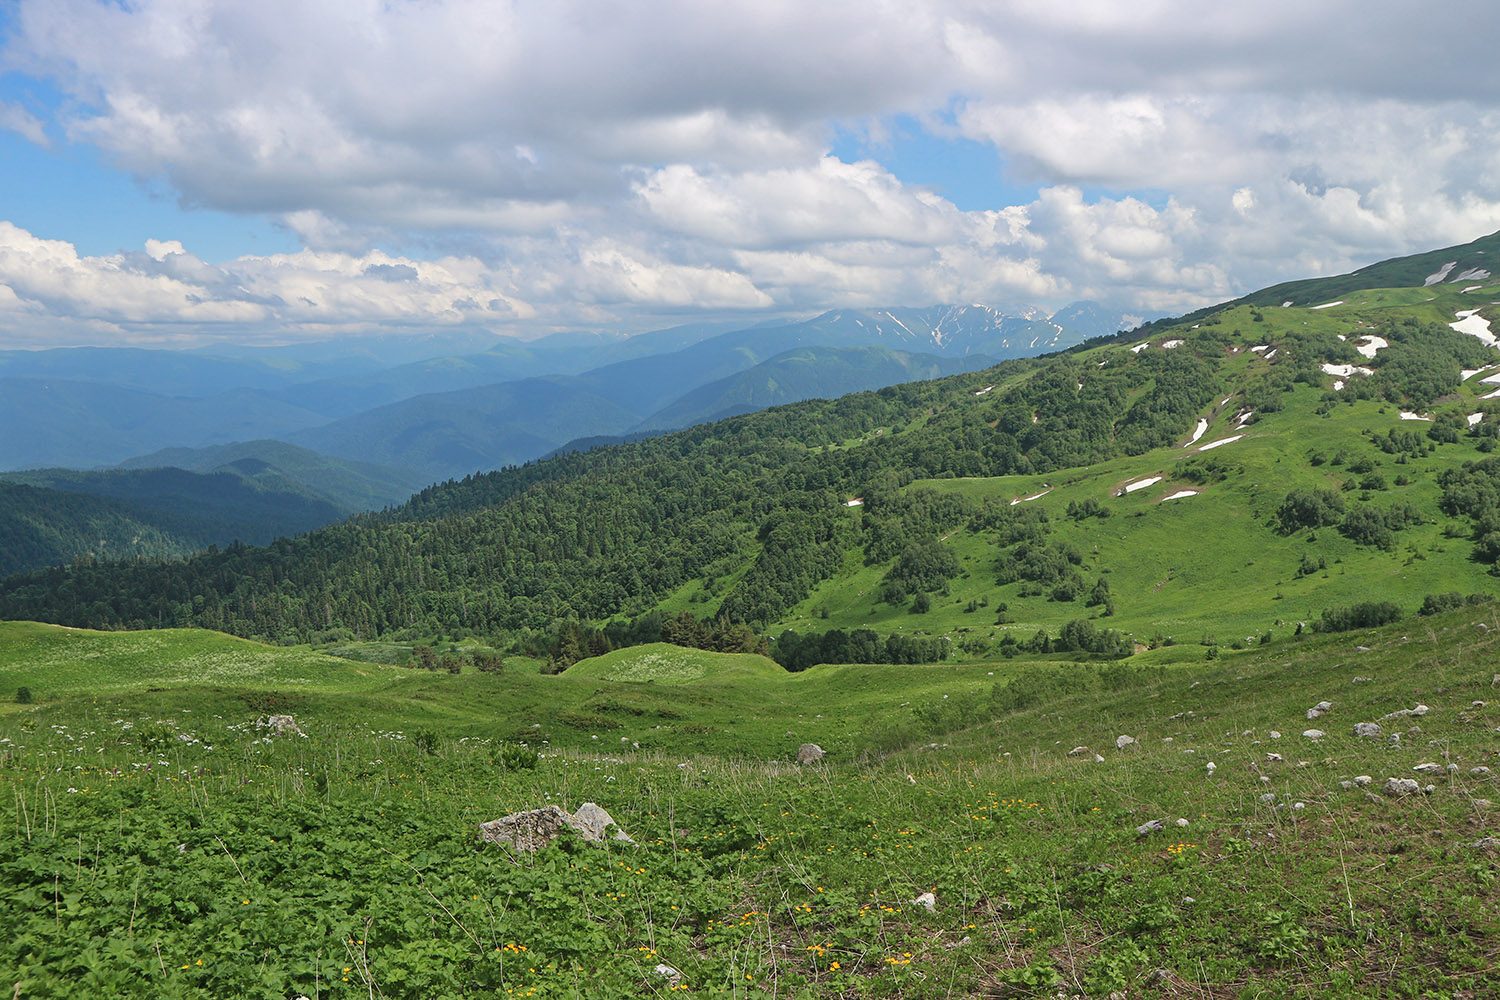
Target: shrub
<point>23,696</point>
<point>1366,614</point>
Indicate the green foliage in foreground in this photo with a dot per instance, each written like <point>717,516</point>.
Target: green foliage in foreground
<point>160,844</point>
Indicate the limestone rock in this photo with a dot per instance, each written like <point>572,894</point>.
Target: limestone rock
<point>1319,710</point>
<point>807,753</point>
<point>1366,729</point>
<point>592,822</point>
<point>534,829</point>
<point>1401,786</point>
<point>1428,768</point>
<point>1314,734</point>
<point>1363,780</point>
<point>1124,741</point>
<point>1150,826</point>
<point>284,725</point>
<point>927,901</point>
<point>1078,751</point>
<point>671,975</point>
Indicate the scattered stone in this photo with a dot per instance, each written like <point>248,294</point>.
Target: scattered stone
<point>1188,900</point>
<point>1367,729</point>
<point>1361,649</point>
<point>1274,756</point>
<point>1346,785</point>
<point>284,725</point>
<point>1274,735</point>
<point>1486,843</point>
<point>1361,680</point>
<point>927,901</point>
<point>1098,759</point>
<point>809,752</point>
<point>1480,803</point>
<point>1479,772</point>
<point>1211,767</point>
<point>1401,786</point>
<point>1299,805</point>
<point>960,942</point>
<point>1401,713</point>
<point>1268,797</point>
<point>1428,789</point>
<point>1478,704</point>
<point>1078,751</point>
<point>671,975</point>
<point>534,829</point>
<point>1124,741</point>
<point>1151,826</point>
<point>1314,734</point>
<point>1393,738</point>
<point>1414,731</point>
<point>1452,768</point>
<point>1428,768</point>
<point>1319,710</point>
<point>1182,822</point>
<point>1363,780</point>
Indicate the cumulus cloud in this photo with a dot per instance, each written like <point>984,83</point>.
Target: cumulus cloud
<point>581,163</point>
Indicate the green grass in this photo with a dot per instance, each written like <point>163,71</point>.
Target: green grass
<point>159,844</point>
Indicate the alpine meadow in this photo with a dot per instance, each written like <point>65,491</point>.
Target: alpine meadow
<point>1162,665</point>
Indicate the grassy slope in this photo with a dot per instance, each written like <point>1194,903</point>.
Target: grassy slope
<point>755,877</point>
<point>1162,558</point>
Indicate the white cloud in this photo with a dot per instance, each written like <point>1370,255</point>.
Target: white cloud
<point>575,162</point>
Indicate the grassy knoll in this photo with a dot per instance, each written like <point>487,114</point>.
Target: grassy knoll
<point>159,844</point>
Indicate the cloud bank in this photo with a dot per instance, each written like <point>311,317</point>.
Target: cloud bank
<point>532,166</point>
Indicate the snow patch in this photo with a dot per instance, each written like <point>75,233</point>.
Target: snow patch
<point>1138,348</point>
<point>1034,496</point>
<point>1329,305</point>
<point>1371,345</point>
<point>1271,353</point>
<point>1220,443</point>
<point>1472,274</point>
<point>1440,273</point>
<point>1475,418</point>
<point>1475,325</point>
<point>1287,304</point>
<point>1405,415</point>
<point>986,389</point>
<point>1491,395</point>
<point>1140,484</point>
<point>1179,495</point>
<point>1471,288</point>
<point>1197,431</point>
<point>1338,384</point>
<point>1346,370</point>
<point>1244,417</point>
<point>1469,373</point>
<point>1168,345</point>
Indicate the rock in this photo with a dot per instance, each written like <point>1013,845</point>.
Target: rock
<point>1078,751</point>
<point>927,901</point>
<point>1414,731</point>
<point>1452,769</point>
<point>1274,756</point>
<point>593,822</point>
<point>1428,768</point>
<point>1150,826</point>
<point>1401,786</point>
<point>671,975</point>
<point>1267,797</point>
<point>284,725</point>
<point>1479,772</point>
<point>1319,710</point>
<point>1401,713</point>
<point>1366,729</point>
<point>1210,767</point>
<point>1124,741</point>
<point>809,752</point>
<point>1486,843</point>
<point>1363,780</point>
<point>1361,649</point>
<point>1428,789</point>
<point>1274,735</point>
<point>1478,704</point>
<point>1098,759</point>
<point>1182,822</point>
<point>1361,680</point>
<point>1314,734</point>
<point>534,829</point>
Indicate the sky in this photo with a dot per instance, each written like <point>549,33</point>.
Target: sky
<point>192,172</point>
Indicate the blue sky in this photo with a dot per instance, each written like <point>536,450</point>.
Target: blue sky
<point>197,171</point>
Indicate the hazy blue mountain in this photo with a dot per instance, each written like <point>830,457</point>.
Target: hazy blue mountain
<point>79,424</point>
<point>805,373</point>
<point>162,373</point>
<point>440,435</point>
<point>349,486</point>
<point>1090,319</point>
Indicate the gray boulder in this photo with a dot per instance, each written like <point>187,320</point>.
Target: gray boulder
<point>1319,710</point>
<point>807,753</point>
<point>1122,742</point>
<point>534,829</point>
<point>1366,729</point>
<point>1150,826</point>
<point>1401,787</point>
<point>1314,734</point>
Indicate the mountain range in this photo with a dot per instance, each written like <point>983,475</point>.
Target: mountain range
<point>1249,469</point>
